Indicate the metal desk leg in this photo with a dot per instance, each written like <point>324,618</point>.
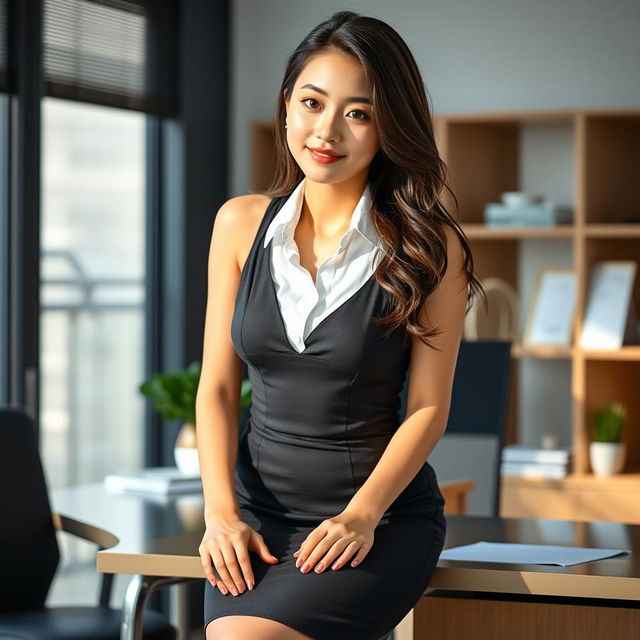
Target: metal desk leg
<point>139,589</point>
<point>183,631</point>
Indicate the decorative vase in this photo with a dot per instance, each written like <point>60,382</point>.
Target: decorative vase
<point>185,452</point>
<point>607,458</point>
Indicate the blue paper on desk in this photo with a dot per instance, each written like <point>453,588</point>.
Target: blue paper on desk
<point>513,553</point>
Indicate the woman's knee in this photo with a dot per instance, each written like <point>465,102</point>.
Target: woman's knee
<point>250,628</point>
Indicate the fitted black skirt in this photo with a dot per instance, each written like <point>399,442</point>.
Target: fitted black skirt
<point>353,603</point>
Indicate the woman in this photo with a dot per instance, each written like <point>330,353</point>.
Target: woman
<point>347,274</point>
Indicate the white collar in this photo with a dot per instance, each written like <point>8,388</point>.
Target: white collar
<point>289,214</point>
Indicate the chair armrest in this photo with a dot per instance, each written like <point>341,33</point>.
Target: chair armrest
<point>88,532</point>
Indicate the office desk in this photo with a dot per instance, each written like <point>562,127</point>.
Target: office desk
<point>489,601</point>
<point>157,542</point>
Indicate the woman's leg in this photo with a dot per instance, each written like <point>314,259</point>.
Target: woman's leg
<point>250,628</point>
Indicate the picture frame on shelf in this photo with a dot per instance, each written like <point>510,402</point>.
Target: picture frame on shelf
<point>552,313</point>
<point>610,319</point>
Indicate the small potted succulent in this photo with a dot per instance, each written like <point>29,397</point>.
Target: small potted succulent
<point>607,452</point>
<point>174,396</point>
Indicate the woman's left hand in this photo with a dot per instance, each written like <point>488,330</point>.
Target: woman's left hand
<point>334,541</point>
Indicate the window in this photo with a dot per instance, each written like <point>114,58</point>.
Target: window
<point>92,290</point>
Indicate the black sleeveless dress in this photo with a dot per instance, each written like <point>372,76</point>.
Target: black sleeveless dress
<point>319,422</point>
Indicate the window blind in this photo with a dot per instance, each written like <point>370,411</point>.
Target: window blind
<point>112,52</point>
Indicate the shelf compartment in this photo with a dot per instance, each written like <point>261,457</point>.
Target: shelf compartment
<point>486,156</point>
<point>608,381</point>
<point>611,164</point>
<point>604,249</point>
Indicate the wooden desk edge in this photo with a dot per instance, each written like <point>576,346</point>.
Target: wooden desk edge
<point>534,583</point>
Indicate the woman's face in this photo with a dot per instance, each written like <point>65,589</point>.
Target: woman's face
<point>330,109</point>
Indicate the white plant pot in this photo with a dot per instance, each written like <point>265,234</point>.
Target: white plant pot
<point>607,458</point>
<point>185,453</point>
<point>187,460</point>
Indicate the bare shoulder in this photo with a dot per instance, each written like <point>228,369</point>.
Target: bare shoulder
<point>243,210</point>
<point>239,218</point>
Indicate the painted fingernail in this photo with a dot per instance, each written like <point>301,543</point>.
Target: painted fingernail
<point>250,583</point>
<point>336,565</point>
<point>319,568</point>
<point>295,555</point>
<point>298,563</point>
<point>354,563</point>
<point>234,591</point>
<point>305,568</point>
<point>223,589</point>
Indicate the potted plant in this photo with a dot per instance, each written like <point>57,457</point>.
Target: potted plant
<point>606,452</point>
<point>174,396</point>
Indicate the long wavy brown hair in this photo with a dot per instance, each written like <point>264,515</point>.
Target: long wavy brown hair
<point>406,177</point>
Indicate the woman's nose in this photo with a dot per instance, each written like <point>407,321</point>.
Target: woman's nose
<point>327,127</point>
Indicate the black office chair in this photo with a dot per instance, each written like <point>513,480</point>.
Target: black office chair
<point>29,553</point>
<point>472,444</point>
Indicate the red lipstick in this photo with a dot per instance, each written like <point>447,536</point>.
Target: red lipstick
<point>324,156</point>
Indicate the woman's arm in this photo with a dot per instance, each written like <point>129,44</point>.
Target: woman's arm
<point>218,396</point>
<point>429,395</point>
<point>227,539</point>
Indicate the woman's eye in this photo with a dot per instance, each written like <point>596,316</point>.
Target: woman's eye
<point>307,100</point>
<point>362,113</point>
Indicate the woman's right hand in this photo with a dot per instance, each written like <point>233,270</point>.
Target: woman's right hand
<point>225,545</point>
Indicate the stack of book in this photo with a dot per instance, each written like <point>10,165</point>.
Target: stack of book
<point>156,480</point>
<point>534,214</point>
<point>520,460</point>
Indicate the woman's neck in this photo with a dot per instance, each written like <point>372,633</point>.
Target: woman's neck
<point>327,207</point>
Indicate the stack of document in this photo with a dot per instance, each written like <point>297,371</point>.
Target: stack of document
<point>157,480</point>
<point>520,460</point>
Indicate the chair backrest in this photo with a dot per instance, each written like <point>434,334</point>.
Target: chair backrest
<point>471,447</point>
<point>29,553</point>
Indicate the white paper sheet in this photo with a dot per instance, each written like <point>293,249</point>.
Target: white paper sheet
<point>514,553</point>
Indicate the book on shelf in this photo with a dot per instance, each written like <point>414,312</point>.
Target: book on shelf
<point>534,469</point>
<point>158,480</point>
<point>525,453</point>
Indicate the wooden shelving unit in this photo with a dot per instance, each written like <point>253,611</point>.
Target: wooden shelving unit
<point>484,153</point>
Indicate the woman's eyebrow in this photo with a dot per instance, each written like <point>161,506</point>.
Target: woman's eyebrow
<point>324,93</point>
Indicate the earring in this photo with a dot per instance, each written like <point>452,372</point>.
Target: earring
<point>285,126</point>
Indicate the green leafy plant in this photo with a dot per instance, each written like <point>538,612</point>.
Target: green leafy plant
<point>174,393</point>
<point>608,421</point>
